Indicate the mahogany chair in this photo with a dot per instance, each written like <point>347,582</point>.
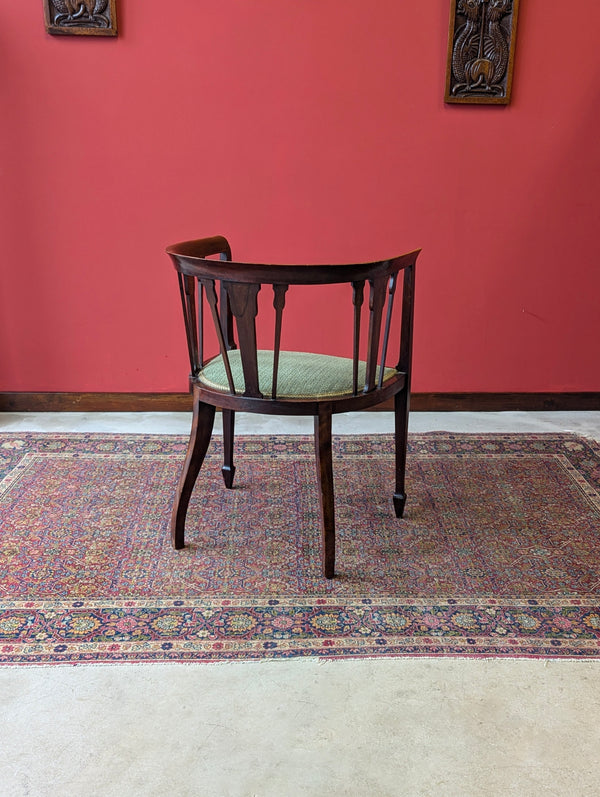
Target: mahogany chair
<point>242,377</point>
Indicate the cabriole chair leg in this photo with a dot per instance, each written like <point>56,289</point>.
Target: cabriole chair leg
<point>202,425</point>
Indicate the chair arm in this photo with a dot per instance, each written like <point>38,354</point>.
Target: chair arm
<point>202,247</point>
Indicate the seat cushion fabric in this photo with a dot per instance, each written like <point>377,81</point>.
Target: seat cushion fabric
<point>301,375</point>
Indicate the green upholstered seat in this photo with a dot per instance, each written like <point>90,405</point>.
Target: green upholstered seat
<point>301,375</point>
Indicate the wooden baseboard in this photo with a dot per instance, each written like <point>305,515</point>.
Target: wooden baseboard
<point>182,402</point>
<point>504,402</point>
<point>95,402</point>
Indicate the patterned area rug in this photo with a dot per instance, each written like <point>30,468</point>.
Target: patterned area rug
<point>498,554</point>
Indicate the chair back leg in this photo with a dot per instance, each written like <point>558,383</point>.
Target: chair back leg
<point>326,497</point>
<point>228,469</point>
<point>401,407</point>
<point>202,426</point>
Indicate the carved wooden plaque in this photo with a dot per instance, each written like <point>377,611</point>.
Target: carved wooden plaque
<point>81,17</point>
<point>481,50</point>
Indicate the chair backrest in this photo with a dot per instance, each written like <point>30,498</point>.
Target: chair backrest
<point>229,291</point>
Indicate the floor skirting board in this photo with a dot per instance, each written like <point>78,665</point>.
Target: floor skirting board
<point>182,402</point>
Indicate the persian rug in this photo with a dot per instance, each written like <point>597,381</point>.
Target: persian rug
<point>498,553</point>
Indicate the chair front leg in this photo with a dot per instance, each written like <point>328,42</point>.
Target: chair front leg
<point>228,469</point>
<point>202,425</point>
<point>326,497</point>
<point>401,406</point>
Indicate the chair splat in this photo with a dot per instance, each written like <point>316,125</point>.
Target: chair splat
<point>244,306</point>
<point>377,294</point>
<point>406,328</point>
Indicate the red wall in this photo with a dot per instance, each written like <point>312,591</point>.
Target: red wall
<point>304,130</point>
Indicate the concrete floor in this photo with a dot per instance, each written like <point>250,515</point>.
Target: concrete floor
<point>303,727</point>
<point>583,423</point>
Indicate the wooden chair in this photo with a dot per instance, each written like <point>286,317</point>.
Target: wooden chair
<point>273,381</point>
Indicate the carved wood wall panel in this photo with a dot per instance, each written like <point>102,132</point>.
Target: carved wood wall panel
<point>81,17</point>
<point>481,50</point>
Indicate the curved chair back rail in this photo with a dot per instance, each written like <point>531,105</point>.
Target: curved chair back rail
<point>228,291</point>
<point>242,376</point>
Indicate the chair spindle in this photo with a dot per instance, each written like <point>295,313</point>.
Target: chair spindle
<point>358,289</point>
<point>388,321</point>
<point>377,292</point>
<point>187,289</point>
<point>211,298</point>
<point>279,292</point>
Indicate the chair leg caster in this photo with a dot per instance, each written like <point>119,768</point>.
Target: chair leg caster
<point>399,502</point>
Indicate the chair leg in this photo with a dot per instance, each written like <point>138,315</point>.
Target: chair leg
<point>401,406</point>
<point>202,425</point>
<point>326,498</point>
<point>228,469</point>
